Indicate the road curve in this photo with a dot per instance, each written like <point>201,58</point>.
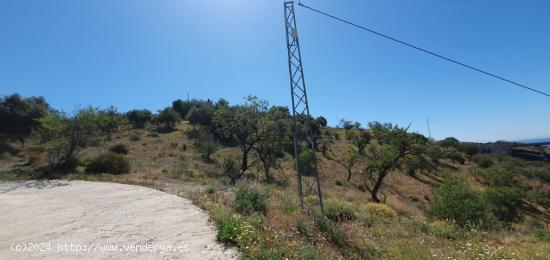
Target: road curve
<point>97,220</point>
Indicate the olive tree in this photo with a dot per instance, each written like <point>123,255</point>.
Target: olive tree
<point>242,124</point>
<point>391,150</point>
<point>274,132</point>
<point>138,118</point>
<point>64,134</point>
<point>168,118</point>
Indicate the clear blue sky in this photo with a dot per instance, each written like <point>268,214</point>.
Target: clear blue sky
<point>144,54</point>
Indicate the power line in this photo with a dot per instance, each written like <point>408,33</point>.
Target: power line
<point>424,50</point>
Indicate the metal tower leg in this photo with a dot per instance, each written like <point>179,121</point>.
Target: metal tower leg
<point>308,184</point>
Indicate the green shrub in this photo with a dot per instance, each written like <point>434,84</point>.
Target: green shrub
<point>230,167</point>
<point>370,249</point>
<point>337,211</point>
<point>249,200</point>
<point>336,235</point>
<point>303,229</point>
<point>229,227</point>
<point>206,146</point>
<point>169,118</point>
<point>211,190</point>
<point>306,162</point>
<point>139,118</point>
<point>288,206</point>
<point>443,229</point>
<point>542,199</point>
<point>542,234</point>
<point>504,202</point>
<point>455,200</point>
<point>483,160</point>
<point>69,165</point>
<point>455,156</point>
<point>469,149</point>
<point>119,148</point>
<point>498,177</point>
<point>418,226</point>
<point>109,163</point>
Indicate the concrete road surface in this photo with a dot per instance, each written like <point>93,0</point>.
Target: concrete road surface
<point>96,220</point>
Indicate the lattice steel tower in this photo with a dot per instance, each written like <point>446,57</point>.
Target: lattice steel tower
<point>308,180</point>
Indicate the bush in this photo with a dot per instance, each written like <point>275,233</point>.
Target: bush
<point>504,202</point>
<point>119,148</point>
<point>229,227</point>
<point>303,229</point>
<point>337,211</point>
<point>469,149</point>
<point>230,167</point>
<point>109,163</point>
<point>306,163</point>
<point>455,200</point>
<point>288,206</point>
<point>455,156</point>
<point>249,200</point>
<point>139,118</point>
<point>69,165</point>
<point>498,177</point>
<point>483,160</point>
<point>205,146</point>
<point>418,226</point>
<point>542,199</point>
<point>370,249</point>
<point>381,210</point>
<point>201,114</point>
<point>443,229</point>
<point>542,234</point>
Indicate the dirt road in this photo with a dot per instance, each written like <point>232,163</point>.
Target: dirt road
<point>95,220</point>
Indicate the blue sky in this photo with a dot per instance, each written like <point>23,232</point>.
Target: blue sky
<point>144,54</point>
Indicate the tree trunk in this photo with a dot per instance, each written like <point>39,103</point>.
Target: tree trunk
<point>244,161</point>
<point>377,185</point>
<point>349,175</point>
<point>268,177</point>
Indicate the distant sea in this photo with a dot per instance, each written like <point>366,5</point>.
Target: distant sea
<point>535,140</point>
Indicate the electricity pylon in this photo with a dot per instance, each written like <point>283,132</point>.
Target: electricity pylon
<point>308,179</point>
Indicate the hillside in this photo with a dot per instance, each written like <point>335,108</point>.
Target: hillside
<point>388,193</point>
<point>168,162</point>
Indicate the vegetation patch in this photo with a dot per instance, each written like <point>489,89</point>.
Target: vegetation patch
<point>109,163</point>
<point>249,200</point>
<point>339,211</point>
<point>119,148</point>
<point>381,210</point>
